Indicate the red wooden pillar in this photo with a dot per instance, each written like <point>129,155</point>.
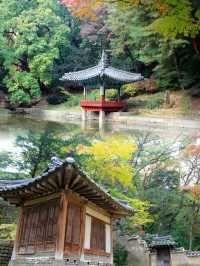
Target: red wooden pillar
<point>61,225</point>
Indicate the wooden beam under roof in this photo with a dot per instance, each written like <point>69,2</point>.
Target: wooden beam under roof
<point>60,178</point>
<point>75,181</point>
<point>63,176</point>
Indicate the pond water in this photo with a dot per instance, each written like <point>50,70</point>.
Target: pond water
<point>12,126</point>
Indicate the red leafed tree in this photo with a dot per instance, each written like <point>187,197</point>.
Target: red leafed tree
<point>83,8</point>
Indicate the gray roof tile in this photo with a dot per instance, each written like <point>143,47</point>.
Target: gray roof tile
<point>102,72</point>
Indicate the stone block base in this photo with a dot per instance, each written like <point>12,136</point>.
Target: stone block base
<point>5,252</point>
<point>50,261</point>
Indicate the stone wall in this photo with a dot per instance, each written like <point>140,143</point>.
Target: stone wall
<point>5,252</point>
<point>140,255</point>
<point>181,258</point>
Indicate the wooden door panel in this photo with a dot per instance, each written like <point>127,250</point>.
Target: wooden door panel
<point>39,228</point>
<point>73,228</point>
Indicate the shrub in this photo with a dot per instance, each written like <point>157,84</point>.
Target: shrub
<point>57,99</point>
<point>23,88</point>
<point>120,255</point>
<point>129,90</point>
<point>155,101</point>
<point>7,231</point>
<point>111,94</point>
<point>145,86</point>
<point>74,100</point>
<point>63,91</point>
<point>61,96</point>
<point>93,95</point>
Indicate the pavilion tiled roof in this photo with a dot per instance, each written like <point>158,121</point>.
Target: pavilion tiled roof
<point>102,73</point>
<point>62,175</point>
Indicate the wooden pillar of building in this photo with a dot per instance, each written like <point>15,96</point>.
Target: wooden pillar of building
<point>84,115</point>
<point>60,238</point>
<point>17,237</point>
<point>102,112</point>
<point>84,112</point>
<point>101,119</point>
<point>102,93</point>
<point>84,93</point>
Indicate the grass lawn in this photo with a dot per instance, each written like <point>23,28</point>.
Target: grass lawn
<point>182,104</point>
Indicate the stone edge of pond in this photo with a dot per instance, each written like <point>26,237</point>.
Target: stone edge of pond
<point>119,117</point>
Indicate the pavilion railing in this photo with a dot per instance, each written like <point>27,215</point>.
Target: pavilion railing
<point>102,103</point>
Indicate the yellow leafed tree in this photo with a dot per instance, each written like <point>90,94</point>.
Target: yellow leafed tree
<point>108,159</point>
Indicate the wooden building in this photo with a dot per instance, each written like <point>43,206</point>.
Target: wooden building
<point>65,218</point>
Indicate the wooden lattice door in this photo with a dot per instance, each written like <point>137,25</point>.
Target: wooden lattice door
<point>38,228</point>
<point>73,227</point>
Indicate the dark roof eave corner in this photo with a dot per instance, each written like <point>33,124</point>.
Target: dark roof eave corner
<point>123,213</point>
<point>163,241</point>
<point>119,207</point>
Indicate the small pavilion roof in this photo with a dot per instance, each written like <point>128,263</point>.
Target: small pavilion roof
<point>163,241</point>
<point>103,73</point>
<point>62,175</point>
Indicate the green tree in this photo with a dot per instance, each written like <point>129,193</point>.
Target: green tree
<point>31,38</point>
<point>166,198</point>
<point>36,151</point>
<point>139,37</point>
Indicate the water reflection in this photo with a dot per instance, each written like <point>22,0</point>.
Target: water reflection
<point>11,126</point>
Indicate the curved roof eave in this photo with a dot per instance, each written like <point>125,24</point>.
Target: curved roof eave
<point>109,75</point>
<point>121,75</point>
<point>101,71</point>
<point>55,178</point>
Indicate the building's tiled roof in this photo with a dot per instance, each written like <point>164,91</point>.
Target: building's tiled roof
<point>194,253</point>
<point>163,241</point>
<point>62,175</point>
<point>102,72</point>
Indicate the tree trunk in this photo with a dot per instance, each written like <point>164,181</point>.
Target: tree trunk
<point>43,87</point>
<point>178,71</point>
<point>191,233</point>
<point>191,230</point>
<point>33,171</point>
<point>196,48</point>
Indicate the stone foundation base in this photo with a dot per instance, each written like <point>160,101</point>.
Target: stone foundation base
<point>50,261</point>
<point>5,252</point>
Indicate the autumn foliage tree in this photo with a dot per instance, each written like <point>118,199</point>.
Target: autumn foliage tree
<point>108,162</point>
<point>162,33</point>
<point>191,187</point>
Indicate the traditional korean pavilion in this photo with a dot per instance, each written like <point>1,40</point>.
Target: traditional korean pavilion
<point>162,246</point>
<point>105,77</point>
<point>65,218</point>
